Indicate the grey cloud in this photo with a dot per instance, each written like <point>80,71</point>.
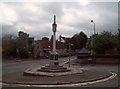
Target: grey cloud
<point>53,8</point>
<point>119,15</point>
<point>9,29</point>
<point>42,19</point>
<point>108,19</point>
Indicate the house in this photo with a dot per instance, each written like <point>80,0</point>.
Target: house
<point>42,48</point>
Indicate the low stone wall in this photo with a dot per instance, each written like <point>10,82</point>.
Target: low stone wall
<point>107,61</point>
<point>100,56</point>
<point>99,59</point>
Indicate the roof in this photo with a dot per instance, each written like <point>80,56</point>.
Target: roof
<point>84,50</point>
<point>43,43</point>
<point>49,44</point>
<point>64,38</point>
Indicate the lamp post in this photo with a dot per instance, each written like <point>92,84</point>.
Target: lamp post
<point>93,40</point>
<point>94,25</point>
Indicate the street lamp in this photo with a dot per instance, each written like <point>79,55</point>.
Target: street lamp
<point>93,40</point>
<point>94,25</point>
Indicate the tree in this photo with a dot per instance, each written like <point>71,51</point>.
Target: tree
<point>31,46</point>
<point>15,48</point>
<point>45,38</point>
<point>67,43</point>
<point>28,42</point>
<point>88,44</point>
<point>118,38</point>
<point>82,39</point>
<point>8,37</point>
<point>79,40</point>
<point>102,42</point>
<point>22,35</point>
<point>21,46</point>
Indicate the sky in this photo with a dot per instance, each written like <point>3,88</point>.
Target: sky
<point>36,18</point>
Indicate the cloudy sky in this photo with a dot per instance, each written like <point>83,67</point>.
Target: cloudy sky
<point>36,18</point>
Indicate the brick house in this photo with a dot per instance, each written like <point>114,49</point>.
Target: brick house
<point>42,48</point>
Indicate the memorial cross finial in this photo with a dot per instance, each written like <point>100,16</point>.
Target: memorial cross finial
<point>54,19</point>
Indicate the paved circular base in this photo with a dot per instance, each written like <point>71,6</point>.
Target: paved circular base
<point>35,72</point>
<point>85,76</point>
<point>53,69</point>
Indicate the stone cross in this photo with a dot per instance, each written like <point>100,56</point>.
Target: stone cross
<point>54,27</point>
<point>54,54</point>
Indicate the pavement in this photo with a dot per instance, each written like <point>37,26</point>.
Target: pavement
<point>86,76</point>
<point>92,76</point>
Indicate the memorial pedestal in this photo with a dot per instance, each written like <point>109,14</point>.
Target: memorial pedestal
<point>53,65</point>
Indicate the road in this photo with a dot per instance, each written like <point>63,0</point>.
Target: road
<point>11,67</point>
<point>109,68</point>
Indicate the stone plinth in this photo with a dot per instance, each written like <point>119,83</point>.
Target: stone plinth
<point>52,72</point>
<point>54,59</point>
<point>54,68</point>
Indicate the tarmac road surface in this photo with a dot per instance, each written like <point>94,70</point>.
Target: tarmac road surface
<point>12,66</point>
